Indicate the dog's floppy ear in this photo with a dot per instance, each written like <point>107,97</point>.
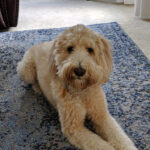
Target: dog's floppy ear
<point>107,58</point>
<point>52,66</point>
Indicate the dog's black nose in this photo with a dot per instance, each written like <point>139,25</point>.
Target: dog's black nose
<point>79,71</point>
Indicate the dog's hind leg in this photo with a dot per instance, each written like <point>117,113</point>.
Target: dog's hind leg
<point>27,70</point>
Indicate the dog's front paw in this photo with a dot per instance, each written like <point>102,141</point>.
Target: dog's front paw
<point>108,147</point>
<point>127,147</point>
<point>130,148</point>
<point>104,147</point>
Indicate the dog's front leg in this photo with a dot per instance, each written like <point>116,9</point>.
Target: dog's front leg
<point>72,115</point>
<point>106,126</point>
<point>114,134</point>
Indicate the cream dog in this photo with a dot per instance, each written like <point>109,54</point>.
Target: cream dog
<point>70,71</point>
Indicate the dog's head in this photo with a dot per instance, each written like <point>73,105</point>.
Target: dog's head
<point>81,57</point>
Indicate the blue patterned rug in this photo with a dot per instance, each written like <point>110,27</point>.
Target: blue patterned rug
<point>28,122</point>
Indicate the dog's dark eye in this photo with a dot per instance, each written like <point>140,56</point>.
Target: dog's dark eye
<point>70,49</point>
<point>90,50</point>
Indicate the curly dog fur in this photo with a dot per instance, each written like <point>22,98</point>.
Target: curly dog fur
<point>70,71</point>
